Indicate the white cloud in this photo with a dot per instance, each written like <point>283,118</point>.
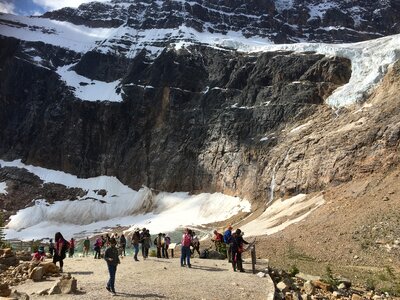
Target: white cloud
<point>57,4</point>
<point>7,8</point>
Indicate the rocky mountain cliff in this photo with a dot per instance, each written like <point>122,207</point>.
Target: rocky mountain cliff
<point>194,118</point>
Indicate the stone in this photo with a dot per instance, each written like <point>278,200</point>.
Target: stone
<point>55,289</point>
<point>43,292</point>
<point>37,274</point>
<point>261,274</point>
<point>307,277</point>
<point>5,291</point>
<point>68,285</point>
<point>6,252</point>
<point>283,287</point>
<point>49,268</point>
<point>322,285</point>
<point>308,288</point>
<point>356,297</point>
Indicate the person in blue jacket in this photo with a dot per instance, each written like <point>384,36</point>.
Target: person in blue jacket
<point>228,242</point>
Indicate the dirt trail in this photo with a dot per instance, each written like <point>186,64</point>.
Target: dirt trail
<point>159,279</point>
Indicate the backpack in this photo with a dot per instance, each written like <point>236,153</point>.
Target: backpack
<point>66,245</point>
<point>186,240</point>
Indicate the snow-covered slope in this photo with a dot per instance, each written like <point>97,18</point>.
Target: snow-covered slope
<point>120,206</point>
<point>369,59</point>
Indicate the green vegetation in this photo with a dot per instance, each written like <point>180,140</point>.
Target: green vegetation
<point>329,277</point>
<point>293,270</point>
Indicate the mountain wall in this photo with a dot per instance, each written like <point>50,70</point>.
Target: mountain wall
<point>190,118</point>
<point>196,120</point>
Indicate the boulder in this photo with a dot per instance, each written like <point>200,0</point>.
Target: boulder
<point>55,290</point>
<point>322,285</point>
<point>7,252</point>
<point>308,288</point>
<point>68,285</point>
<point>37,274</point>
<point>49,267</point>
<point>212,254</point>
<point>5,291</point>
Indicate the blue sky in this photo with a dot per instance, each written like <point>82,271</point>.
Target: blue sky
<point>36,7</point>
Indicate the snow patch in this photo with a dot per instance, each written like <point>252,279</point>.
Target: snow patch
<point>282,213</point>
<point>3,188</point>
<point>87,89</point>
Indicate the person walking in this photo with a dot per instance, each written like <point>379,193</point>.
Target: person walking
<point>97,248</point>
<point>122,244</point>
<point>71,248</point>
<point>60,248</point>
<point>86,246</point>
<point>135,244</point>
<point>185,248</point>
<point>112,259</point>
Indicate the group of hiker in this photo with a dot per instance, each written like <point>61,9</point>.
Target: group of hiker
<point>112,247</point>
<point>231,244</point>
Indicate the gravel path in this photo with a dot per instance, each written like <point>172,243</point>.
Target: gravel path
<point>159,279</point>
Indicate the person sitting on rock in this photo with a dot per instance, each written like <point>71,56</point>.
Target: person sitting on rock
<point>39,255</point>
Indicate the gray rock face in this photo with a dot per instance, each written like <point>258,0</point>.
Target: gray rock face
<point>190,120</point>
<point>295,21</point>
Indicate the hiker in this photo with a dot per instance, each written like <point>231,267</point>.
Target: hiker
<point>86,246</point>
<point>135,243</point>
<point>185,248</point>
<point>39,255</point>
<point>112,259</point>
<point>60,249</point>
<point>167,243</point>
<point>146,242</point>
<point>122,244</point>
<point>157,243</point>
<point>237,250</point>
<point>71,248</point>
<point>195,243</point>
<point>218,240</point>
<point>51,247</point>
<point>97,247</point>
<point>228,242</point>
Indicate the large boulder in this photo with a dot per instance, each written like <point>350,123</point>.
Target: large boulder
<point>49,268</point>
<point>37,274</point>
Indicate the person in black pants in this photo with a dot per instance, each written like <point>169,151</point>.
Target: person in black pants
<point>112,258</point>
<point>237,249</point>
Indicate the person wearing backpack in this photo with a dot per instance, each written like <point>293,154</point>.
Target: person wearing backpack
<point>185,248</point>
<point>97,248</point>
<point>60,249</point>
<point>237,250</point>
<point>228,242</point>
